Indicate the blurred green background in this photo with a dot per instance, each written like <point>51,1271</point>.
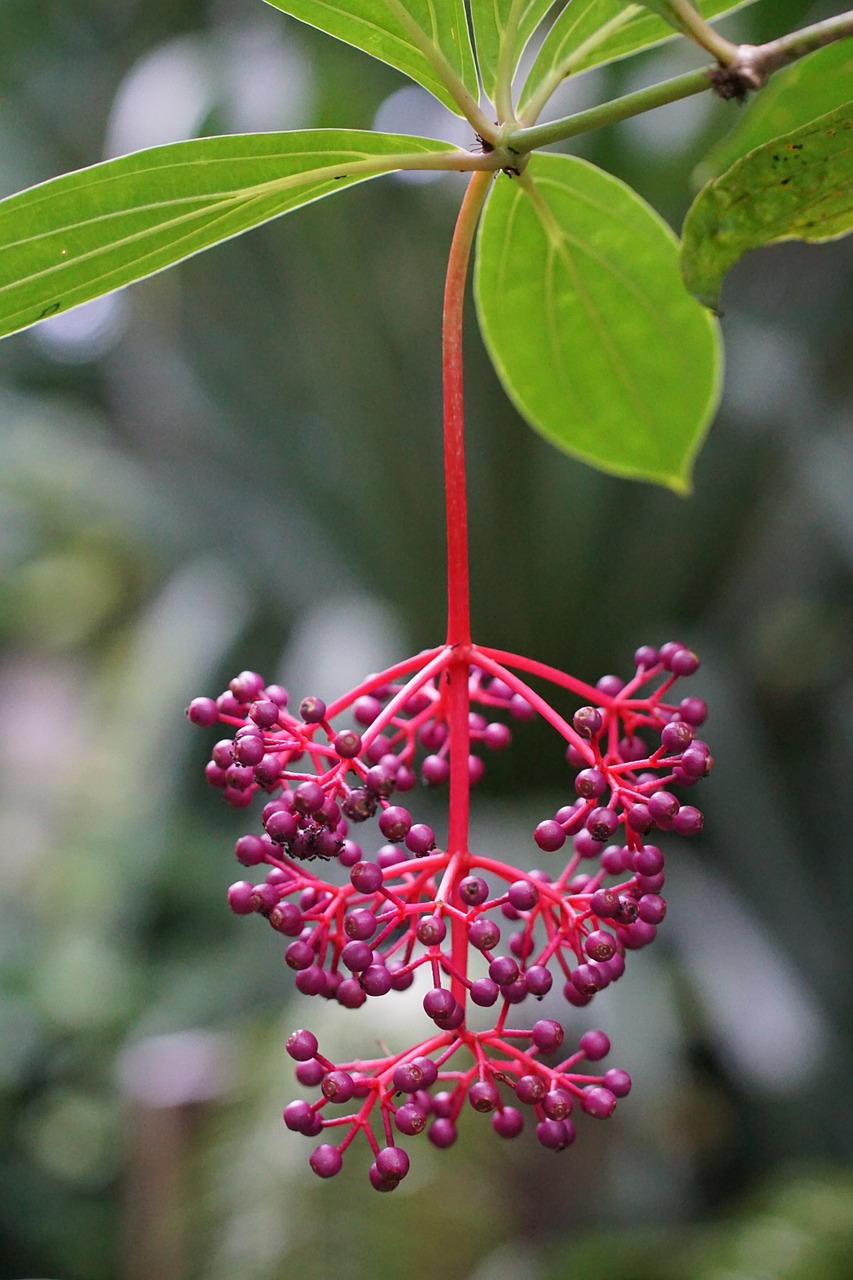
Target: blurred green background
<point>238,464</point>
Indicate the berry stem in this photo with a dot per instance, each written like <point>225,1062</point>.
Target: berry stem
<point>458,597</point>
<point>458,609</point>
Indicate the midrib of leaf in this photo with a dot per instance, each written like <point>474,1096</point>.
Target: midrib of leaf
<point>429,47</point>
<point>213,209</point>
<point>507,59</point>
<point>551,82</point>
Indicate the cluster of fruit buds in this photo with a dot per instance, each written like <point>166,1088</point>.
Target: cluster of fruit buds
<point>391,901</point>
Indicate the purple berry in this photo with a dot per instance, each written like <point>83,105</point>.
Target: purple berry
<point>326,1161</point>
<point>250,850</point>
<point>598,1101</point>
<point>301,1045</point>
<point>550,836</point>
<point>600,945</point>
<point>240,898</point>
<point>442,1133</point>
<point>520,708</point>
<point>503,970</point>
<point>338,1086</point>
<point>376,980</point>
<point>311,981</point>
<point>247,686</point>
<point>309,798</point>
<point>395,823</point>
<point>299,1116</point>
<point>556,1135</point>
<point>652,908</point>
<point>587,721</point>
<point>586,979</point>
<point>484,1096</point>
<point>249,750</point>
<point>590,784</point>
<point>523,895</point>
<point>594,1045</point>
<point>366,709</point>
<point>663,806</point>
<point>299,954</point>
<point>508,1122</point>
<point>610,685</point>
<point>360,924</point>
<point>439,1003</point>
<point>639,934</point>
<point>694,711</point>
<point>472,890</point>
<point>349,992</point>
<point>497,737</point>
<point>639,819</point>
<point>683,662</point>
<point>601,824</point>
<point>695,764</point>
<point>618,1082</point>
<point>420,838</point>
<point>410,1119</point>
<point>557,1104</point>
<point>605,904</point>
<point>547,1035</point>
<point>648,861</point>
<point>431,931</point>
<point>366,877</point>
<point>688,820</point>
<point>484,934</point>
<point>287,919</point>
<point>539,980</point>
<point>484,992</point>
<point>347,743</point>
<point>310,1072</point>
<point>435,770</point>
<point>530,1089</point>
<point>312,710</point>
<point>203,712</point>
<point>677,735</point>
<point>357,956</point>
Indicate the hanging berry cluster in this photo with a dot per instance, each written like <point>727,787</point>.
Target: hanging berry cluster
<point>401,898</point>
<point>488,935</point>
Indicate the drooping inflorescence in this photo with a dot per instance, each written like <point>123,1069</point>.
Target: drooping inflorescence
<point>488,936</point>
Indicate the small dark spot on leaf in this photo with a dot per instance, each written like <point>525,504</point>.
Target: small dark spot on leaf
<point>784,182</point>
<point>795,146</point>
<point>50,310</point>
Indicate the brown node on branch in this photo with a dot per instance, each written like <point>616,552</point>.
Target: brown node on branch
<point>735,81</point>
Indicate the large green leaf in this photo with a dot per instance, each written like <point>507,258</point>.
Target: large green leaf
<point>588,324</point>
<point>86,233</point>
<point>794,97</point>
<point>589,33</point>
<point>798,187</point>
<point>502,29</point>
<point>426,39</point>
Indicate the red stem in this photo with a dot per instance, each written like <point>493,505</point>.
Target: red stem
<point>458,599</point>
<point>458,611</point>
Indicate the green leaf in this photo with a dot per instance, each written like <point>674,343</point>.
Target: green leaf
<point>86,233</point>
<point>502,29</point>
<point>811,87</point>
<point>797,187</point>
<point>588,325</point>
<point>589,33</point>
<point>425,39</point>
